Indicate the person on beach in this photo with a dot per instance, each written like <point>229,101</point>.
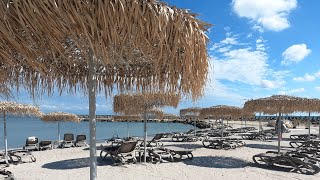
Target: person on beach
<point>282,129</point>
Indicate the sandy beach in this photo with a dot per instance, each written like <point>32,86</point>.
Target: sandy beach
<point>73,163</point>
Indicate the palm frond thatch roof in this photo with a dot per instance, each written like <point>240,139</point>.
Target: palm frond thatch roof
<point>282,104</point>
<point>135,104</point>
<point>60,116</point>
<point>138,45</point>
<point>19,109</point>
<point>221,111</point>
<point>190,111</point>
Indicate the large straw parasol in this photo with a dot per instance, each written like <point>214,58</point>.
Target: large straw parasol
<point>98,45</point>
<point>142,103</point>
<point>222,112</point>
<point>15,109</point>
<point>58,117</point>
<point>275,104</point>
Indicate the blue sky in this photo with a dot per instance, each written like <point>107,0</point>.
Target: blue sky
<point>257,48</point>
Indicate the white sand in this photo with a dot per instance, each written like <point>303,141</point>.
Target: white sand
<point>73,163</point>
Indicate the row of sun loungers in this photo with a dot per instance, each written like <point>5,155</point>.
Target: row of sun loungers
<point>122,152</point>
<point>304,158</point>
<point>32,143</point>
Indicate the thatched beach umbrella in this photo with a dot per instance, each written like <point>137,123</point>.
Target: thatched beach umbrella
<point>60,117</point>
<point>193,113</point>
<point>275,104</point>
<point>98,45</point>
<point>15,109</point>
<point>311,105</point>
<point>222,112</point>
<point>135,104</point>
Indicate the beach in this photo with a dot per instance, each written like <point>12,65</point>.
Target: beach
<point>73,163</point>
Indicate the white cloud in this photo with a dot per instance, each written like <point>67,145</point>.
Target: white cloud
<point>244,65</point>
<point>295,53</point>
<point>265,14</point>
<point>306,77</point>
<point>293,91</point>
<point>272,84</point>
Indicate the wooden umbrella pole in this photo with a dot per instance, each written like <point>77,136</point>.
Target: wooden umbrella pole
<point>5,137</point>
<point>259,122</point>
<point>245,122</point>
<point>145,135</point>
<point>222,128</point>
<point>58,132</point>
<point>127,129</point>
<point>279,132</point>
<point>309,126</point>
<point>92,115</point>
<point>195,126</point>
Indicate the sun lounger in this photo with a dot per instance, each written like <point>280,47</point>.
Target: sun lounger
<point>44,145</point>
<point>68,140</point>
<point>298,163</point>
<point>223,143</point>
<point>157,155</point>
<point>184,138</point>
<point>261,136</point>
<point>20,156</point>
<point>7,174</point>
<point>154,142</point>
<point>81,140</point>
<point>303,137</point>
<point>178,152</point>
<point>313,143</point>
<point>31,143</point>
<point>121,154</point>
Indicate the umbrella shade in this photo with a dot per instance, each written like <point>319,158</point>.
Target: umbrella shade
<point>135,104</point>
<point>58,117</point>
<point>16,109</point>
<point>169,45</point>
<point>276,104</point>
<point>221,111</point>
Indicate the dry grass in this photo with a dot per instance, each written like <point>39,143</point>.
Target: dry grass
<point>60,116</point>
<point>19,109</point>
<point>138,104</point>
<point>143,46</point>
<point>221,112</point>
<point>282,104</point>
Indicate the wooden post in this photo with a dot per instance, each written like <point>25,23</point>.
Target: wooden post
<point>145,135</point>
<point>5,137</point>
<point>92,115</point>
<point>309,125</point>
<point>279,133</point>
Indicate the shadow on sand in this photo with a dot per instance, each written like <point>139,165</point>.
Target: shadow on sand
<point>217,162</point>
<point>187,146</point>
<point>74,163</point>
<point>262,146</point>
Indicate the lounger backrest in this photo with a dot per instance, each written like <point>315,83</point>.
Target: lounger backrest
<point>81,137</point>
<point>157,137</point>
<point>68,137</point>
<point>31,141</point>
<point>127,147</point>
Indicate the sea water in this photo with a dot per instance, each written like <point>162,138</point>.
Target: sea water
<point>19,128</point>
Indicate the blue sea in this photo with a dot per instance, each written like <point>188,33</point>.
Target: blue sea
<point>19,128</point>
